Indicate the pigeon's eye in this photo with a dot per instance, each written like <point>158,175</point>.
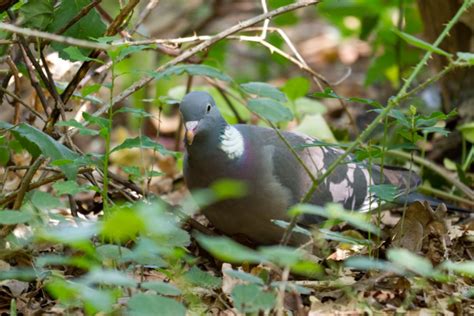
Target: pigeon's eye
<point>208,108</point>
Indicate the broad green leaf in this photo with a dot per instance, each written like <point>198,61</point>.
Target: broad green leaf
<point>296,229</point>
<point>4,155</point>
<point>90,89</point>
<point>270,109</point>
<point>263,89</point>
<point>408,260</point>
<point>150,305</point>
<point>194,70</point>
<point>200,278</point>
<point>228,250</point>
<point>89,26</point>
<point>134,111</point>
<point>37,142</point>
<point>81,262</point>
<point>229,189</point>
<point>21,274</point>
<point>412,40</point>
<point>8,217</point>
<point>385,192</point>
<point>290,287</point>
<point>296,87</point>
<point>309,106</point>
<point>251,298</point>
<point>161,288</point>
<point>244,276</point>
<point>292,257</point>
<point>44,200</point>
<point>37,14</point>
<point>469,57</point>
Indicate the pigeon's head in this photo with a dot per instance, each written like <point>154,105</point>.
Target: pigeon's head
<point>200,114</point>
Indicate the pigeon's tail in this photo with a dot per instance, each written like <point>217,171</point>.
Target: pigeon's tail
<point>405,180</point>
<point>434,203</point>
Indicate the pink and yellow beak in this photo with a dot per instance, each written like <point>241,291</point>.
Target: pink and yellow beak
<point>190,127</point>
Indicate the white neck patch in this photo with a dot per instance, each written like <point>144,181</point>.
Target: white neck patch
<point>232,142</point>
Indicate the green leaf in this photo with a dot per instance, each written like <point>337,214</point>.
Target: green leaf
<point>37,142</point>
<point>37,14</point>
<point>368,263</point>
<point>193,70</point>
<point>463,268</point>
<point>200,278</point>
<point>335,211</point>
<point>331,235</point>
<point>123,224</point>
<point>228,250</point>
<point>229,189</point>
<point>148,305</point>
<point>4,155</point>
<point>251,298</point>
<point>412,40</point>
<point>469,57</point>
<point>108,277</point>
<point>89,26</point>
<point>82,130</point>
<point>244,276</point>
<point>69,234</point>
<point>270,109</point>
<point>134,111</point>
<point>142,142</point>
<point>8,217</point>
<point>296,87</point>
<point>112,252</point>
<point>309,106</point>
<point>44,200</point>
<point>263,89</point>
<point>385,192</point>
<point>68,187</point>
<point>75,54</point>
<point>161,288</point>
<point>408,260</point>
<point>467,131</point>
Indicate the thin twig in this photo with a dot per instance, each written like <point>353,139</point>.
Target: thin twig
<point>52,37</point>
<point>145,13</point>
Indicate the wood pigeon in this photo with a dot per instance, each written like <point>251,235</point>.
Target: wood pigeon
<point>274,178</point>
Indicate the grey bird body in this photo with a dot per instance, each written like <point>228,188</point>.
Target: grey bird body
<point>274,178</point>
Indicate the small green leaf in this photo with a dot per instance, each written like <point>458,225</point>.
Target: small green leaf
<point>194,70</point>
<point>335,211</point>
<point>368,263</point>
<point>150,305</point>
<point>463,268</point>
<point>412,40</point>
<point>200,278</point>
<point>385,192</point>
<point>263,89</point>
<point>229,189</point>
<point>82,130</point>
<point>134,111</point>
<point>467,131</point>
<point>330,235</point>
<point>108,277</point>
<point>44,200</point>
<point>228,250</point>
<point>75,54</point>
<point>142,142</point>
<point>469,57</point>
<point>122,224</point>
<point>112,252</point>
<point>14,217</point>
<point>244,276</point>
<point>251,298</point>
<point>270,109</point>
<point>161,288</point>
<point>296,87</point>
<point>68,187</point>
